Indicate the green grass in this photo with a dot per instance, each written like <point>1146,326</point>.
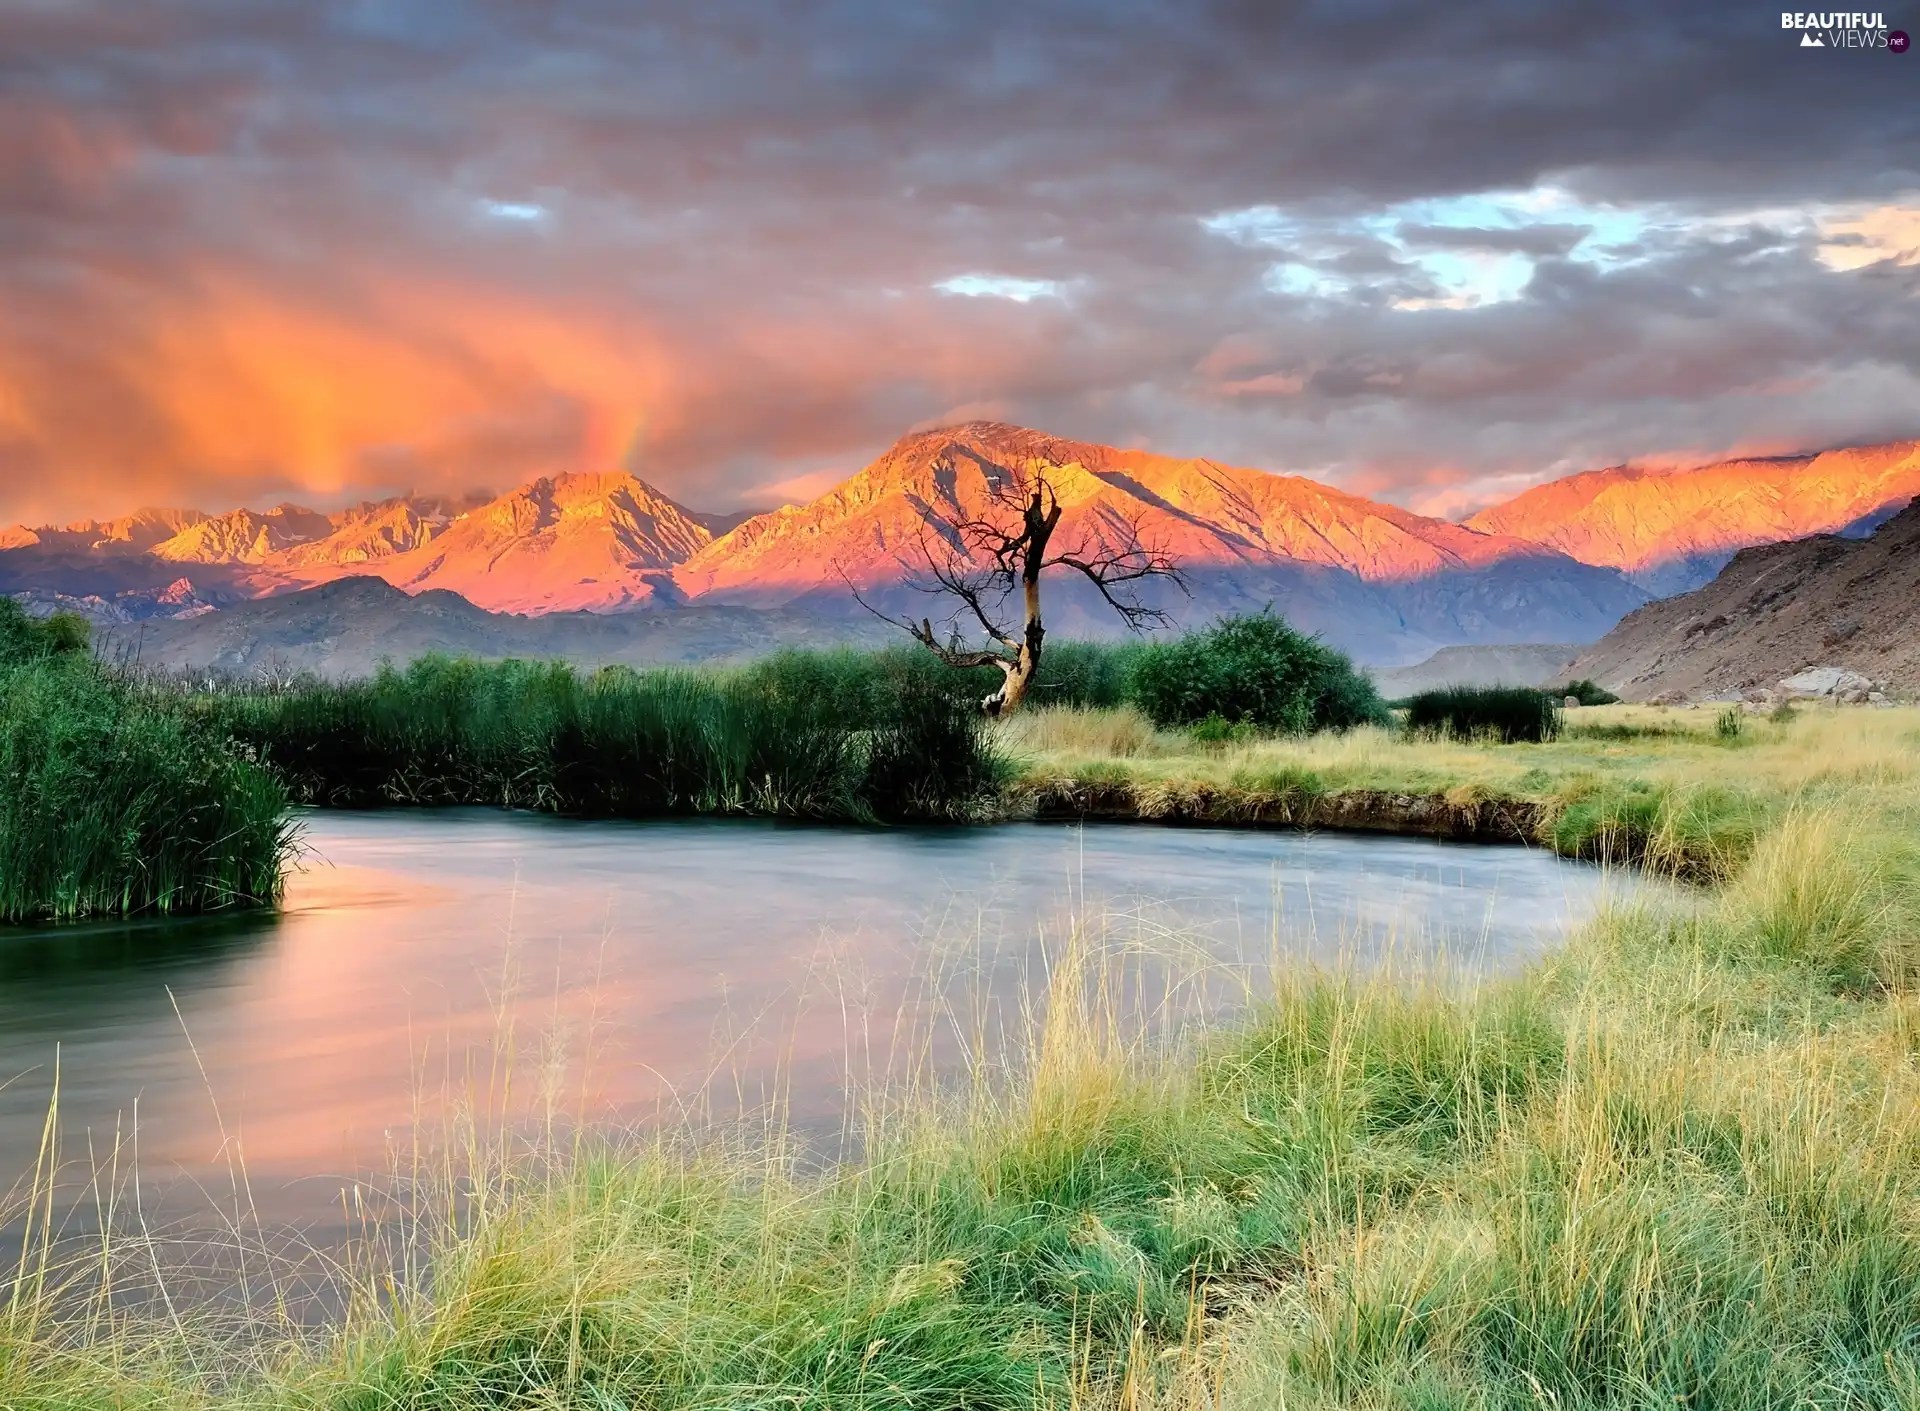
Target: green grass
<point>1664,788</point>
<point>112,806</point>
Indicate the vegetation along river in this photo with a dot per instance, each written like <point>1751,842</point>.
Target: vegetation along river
<point>513,964</point>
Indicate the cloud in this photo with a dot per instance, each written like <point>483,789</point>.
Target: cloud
<point>339,249</point>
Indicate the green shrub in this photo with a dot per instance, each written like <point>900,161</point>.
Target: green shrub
<point>1729,725</point>
<point>25,639</point>
<point>1588,693</point>
<point>1091,675</point>
<point>1216,729</point>
<point>1508,713</point>
<point>1255,669</point>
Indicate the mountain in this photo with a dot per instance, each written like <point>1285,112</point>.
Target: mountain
<point>1559,564</point>
<point>593,542</point>
<point>1772,611</point>
<point>597,542</point>
<point>1373,578</point>
<point>1672,530</point>
<point>136,533</point>
<point>242,536</point>
<point>372,531</point>
<point>348,627</point>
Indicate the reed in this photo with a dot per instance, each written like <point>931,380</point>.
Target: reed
<point>110,806</point>
<point>804,735</point>
<point>1510,714</point>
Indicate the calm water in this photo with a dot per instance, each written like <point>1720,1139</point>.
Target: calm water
<point>509,961</point>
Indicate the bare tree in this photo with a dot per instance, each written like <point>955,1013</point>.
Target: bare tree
<point>989,569</point>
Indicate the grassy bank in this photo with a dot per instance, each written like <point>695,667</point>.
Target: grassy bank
<point>1676,1164</point>
<point>114,805</point>
<point>1668,788</point>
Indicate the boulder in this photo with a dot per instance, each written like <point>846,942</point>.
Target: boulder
<point>1570,703</point>
<point>1855,696</point>
<point>1824,681</point>
<point>1668,698</point>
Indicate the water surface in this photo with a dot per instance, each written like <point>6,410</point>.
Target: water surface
<point>511,962</point>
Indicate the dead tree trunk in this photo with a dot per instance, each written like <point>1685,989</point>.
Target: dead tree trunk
<point>980,564</point>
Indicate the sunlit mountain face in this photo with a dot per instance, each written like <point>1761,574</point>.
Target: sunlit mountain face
<point>1671,530</point>
<point>1561,563</point>
<point>339,252</point>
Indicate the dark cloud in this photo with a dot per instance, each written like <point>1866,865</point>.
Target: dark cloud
<point>339,248</point>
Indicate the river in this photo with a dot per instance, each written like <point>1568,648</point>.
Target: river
<point>518,964</point>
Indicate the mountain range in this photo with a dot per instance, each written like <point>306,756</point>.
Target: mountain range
<point>1559,563</point>
<point>1671,531</point>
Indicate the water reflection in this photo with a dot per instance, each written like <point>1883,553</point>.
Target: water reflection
<point>511,961</point>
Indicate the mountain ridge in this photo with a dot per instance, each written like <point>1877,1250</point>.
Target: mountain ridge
<point>1382,581</point>
<point>1672,529</point>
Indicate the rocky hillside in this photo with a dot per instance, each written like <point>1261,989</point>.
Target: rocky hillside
<point>594,543</point>
<point>1672,530</point>
<point>1772,611</point>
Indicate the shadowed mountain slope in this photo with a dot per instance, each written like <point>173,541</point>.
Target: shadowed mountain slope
<point>1773,610</point>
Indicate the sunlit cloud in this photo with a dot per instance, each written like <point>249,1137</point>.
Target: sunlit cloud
<point>261,252</point>
<point>1854,240</point>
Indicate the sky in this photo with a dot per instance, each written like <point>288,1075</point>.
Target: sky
<point>1429,252</point>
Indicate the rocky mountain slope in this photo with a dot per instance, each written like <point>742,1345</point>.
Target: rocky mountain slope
<point>582,542</point>
<point>1672,530</point>
<point>1771,612</point>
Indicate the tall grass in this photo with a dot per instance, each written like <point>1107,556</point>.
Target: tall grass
<point>831,735</point>
<point>1509,714</point>
<point>112,806</point>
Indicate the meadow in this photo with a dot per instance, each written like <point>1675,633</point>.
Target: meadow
<point>1677,1163</point>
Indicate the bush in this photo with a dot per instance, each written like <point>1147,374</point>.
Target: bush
<point>111,805</point>
<point>1586,692</point>
<point>1090,675</point>
<point>1253,669</point>
<point>24,639</point>
<point>1508,713</point>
